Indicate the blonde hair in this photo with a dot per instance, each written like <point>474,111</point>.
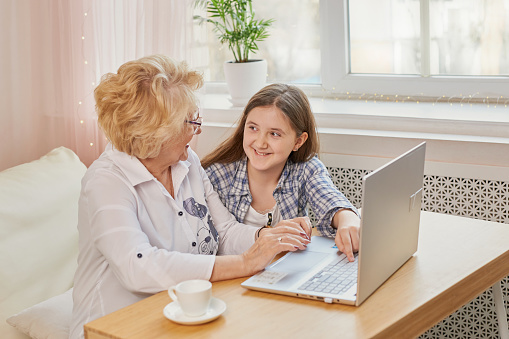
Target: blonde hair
<point>295,106</point>
<point>145,104</point>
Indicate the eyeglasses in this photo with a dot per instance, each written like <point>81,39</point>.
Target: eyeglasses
<point>196,123</point>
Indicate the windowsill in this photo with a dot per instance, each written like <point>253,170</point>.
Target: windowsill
<point>473,134</point>
<point>454,121</point>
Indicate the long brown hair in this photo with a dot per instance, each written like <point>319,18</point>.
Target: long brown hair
<point>295,106</point>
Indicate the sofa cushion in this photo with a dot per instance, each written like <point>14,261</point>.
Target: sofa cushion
<point>38,231</point>
<point>47,320</point>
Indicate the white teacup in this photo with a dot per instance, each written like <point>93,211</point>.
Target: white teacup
<point>193,296</point>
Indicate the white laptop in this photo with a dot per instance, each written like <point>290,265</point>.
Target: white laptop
<point>391,206</point>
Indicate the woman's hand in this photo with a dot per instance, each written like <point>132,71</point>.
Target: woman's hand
<point>303,224</point>
<point>287,236</point>
<point>347,224</point>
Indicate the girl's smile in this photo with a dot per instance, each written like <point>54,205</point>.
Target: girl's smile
<point>269,139</point>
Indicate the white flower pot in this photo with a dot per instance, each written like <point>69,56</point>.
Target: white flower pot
<point>245,79</point>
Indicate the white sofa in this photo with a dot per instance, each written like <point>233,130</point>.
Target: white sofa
<point>39,245</point>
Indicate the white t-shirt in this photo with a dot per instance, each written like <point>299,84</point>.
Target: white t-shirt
<point>255,218</point>
<point>136,240</point>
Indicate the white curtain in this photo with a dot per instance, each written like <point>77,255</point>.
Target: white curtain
<point>52,55</point>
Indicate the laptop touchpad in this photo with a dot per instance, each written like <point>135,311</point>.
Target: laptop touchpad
<point>301,261</point>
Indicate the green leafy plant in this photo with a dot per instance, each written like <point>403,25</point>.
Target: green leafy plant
<point>235,25</point>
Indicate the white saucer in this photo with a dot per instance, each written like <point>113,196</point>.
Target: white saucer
<point>173,312</point>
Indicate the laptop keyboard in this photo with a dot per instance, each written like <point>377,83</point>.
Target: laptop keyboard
<point>335,278</point>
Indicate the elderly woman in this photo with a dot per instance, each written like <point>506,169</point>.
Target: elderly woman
<point>148,215</point>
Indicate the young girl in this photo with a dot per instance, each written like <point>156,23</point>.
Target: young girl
<point>268,170</point>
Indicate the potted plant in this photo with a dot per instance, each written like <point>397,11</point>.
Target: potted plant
<point>235,25</point>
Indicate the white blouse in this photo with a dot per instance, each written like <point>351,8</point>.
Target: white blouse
<point>136,240</point>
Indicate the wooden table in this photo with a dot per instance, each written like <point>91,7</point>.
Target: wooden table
<point>458,258</point>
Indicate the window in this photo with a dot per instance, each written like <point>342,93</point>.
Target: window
<point>451,37</point>
<point>453,48</point>
<point>292,50</point>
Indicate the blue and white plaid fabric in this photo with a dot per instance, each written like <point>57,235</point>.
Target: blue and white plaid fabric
<point>300,184</point>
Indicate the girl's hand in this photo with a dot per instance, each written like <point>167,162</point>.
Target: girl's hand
<point>303,224</point>
<point>347,224</point>
<point>284,237</point>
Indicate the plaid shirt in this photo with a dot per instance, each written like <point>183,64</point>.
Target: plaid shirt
<point>300,184</point>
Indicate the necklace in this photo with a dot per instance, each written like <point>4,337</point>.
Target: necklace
<point>266,211</point>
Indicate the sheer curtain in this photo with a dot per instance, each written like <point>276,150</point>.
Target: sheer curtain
<point>53,54</point>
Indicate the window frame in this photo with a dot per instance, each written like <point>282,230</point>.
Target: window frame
<point>336,76</point>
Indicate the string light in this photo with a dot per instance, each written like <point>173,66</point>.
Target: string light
<point>88,70</point>
<point>461,100</point>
